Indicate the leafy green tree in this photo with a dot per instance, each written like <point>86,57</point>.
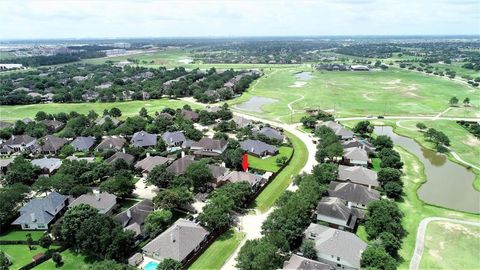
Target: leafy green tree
<point>4,261</point>
<point>382,141</point>
<point>377,258</point>
<point>393,190</point>
<point>161,146</point>
<point>199,173</point>
<point>92,115</point>
<point>233,158</point>
<point>120,185</point>
<point>453,101</point>
<point>10,198</point>
<point>216,214</point>
<point>390,243</point>
<point>41,115</point>
<point>143,112</point>
<point>169,264</point>
<point>157,221</point>
<point>67,150</point>
<point>109,265</point>
<point>57,259</point>
<point>363,127</point>
<point>172,198</point>
<point>239,192</point>
<point>384,216</point>
<point>21,171</point>
<point>29,241</point>
<point>72,221</point>
<point>115,112</point>
<point>160,177</point>
<point>45,241</point>
<point>421,126</point>
<point>308,249</point>
<point>282,160</point>
<point>309,121</point>
<point>466,101</point>
<point>5,134</point>
<point>325,172</point>
<point>258,254</point>
<point>386,175</point>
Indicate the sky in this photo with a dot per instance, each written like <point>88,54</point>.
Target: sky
<point>41,19</point>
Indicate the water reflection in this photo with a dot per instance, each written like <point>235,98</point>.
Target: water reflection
<point>435,158</point>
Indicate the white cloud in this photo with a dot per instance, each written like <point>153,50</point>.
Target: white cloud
<point>108,18</point>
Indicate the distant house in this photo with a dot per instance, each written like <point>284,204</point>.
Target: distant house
<point>53,125</point>
<point>297,262</point>
<point>355,156</point>
<point>218,172</point>
<point>4,163</point>
<point>51,144</point>
<point>359,68</point>
<point>357,175</point>
<point>111,143</point>
<point>38,213</point>
<point>362,144</point>
<point>178,242</point>
<point>255,181</point>
<point>147,164</point>
<point>165,115</point>
<point>336,213</point>
<point>5,125</point>
<point>90,95</point>
<point>333,67</point>
<point>356,195</point>
<point>21,143</point>
<point>341,132</point>
<point>83,143</point>
<point>102,120</point>
<point>144,139</point>
<point>190,115</point>
<point>270,133</point>
<point>120,155</point>
<point>134,217</point>
<point>174,140</point>
<point>179,166</point>
<point>103,202</point>
<point>340,249</point>
<point>241,122</point>
<point>27,120</point>
<point>48,165</point>
<point>209,147</point>
<point>258,148</point>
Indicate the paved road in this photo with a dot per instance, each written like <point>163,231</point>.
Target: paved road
<point>409,118</point>
<point>420,242</point>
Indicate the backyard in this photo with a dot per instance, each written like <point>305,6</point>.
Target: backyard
<point>269,163</point>
<point>71,261</point>
<point>21,255</point>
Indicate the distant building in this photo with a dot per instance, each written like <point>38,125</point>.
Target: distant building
<point>179,166</point>
<point>335,212</point>
<point>255,181</point>
<point>147,164</point>
<point>51,144</point>
<point>357,175</point>
<point>53,125</point>
<point>21,143</point>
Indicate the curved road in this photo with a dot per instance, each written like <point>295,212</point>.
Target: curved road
<point>420,242</point>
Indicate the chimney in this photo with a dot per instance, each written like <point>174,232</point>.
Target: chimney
<point>223,164</point>
<point>349,205</point>
<point>183,154</point>
<point>32,217</point>
<point>97,197</point>
<point>148,154</point>
<point>172,237</point>
<point>123,150</point>
<point>129,213</point>
<point>369,187</point>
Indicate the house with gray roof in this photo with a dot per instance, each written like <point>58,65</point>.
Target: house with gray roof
<point>102,120</point>
<point>147,164</point>
<point>355,195</point>
<point>120,155</point>
<point>174,140</point>
<point>209,147</point>
<point>357,175</point>
<point>21,143</point>
<point>339,249</point>
<point>4,163</point>
<point>255,181</point>
<point>144,139</point>
<point>335,212</point>
<point>297,262</point>
<point>111,143</point>
<point>48,165</point>
<point>179,166</point>
<point>178,242</point>
<point>53,125</point>
<point>83,143</point>
<point>258,148</point>
<point>4,124</point>
<point>341,132</point>
<point>362,144</point>
<point>241,122</point>
<point>38,213</point>
<point>134,217</point>
<point>51,144</point>
<point>218,172</point>
<point>355,156</point>
<point>104,202</point>
<point>270,133</point>
<point>190,115</point>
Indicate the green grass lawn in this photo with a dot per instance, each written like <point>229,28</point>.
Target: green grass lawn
<point>376,164</point>
<point>71,261</point>
<point>127,203</point>
<point>269,163</point>
<point>443,250</point>
<point>278,185</point>
<point>21,235</point>
<point>20,255</point>
<point>219,252</point>
<point>128,108</point>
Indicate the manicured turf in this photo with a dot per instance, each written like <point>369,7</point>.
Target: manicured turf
<point>376,164</point>
<point>445,241</point>
<point>128,108</point>
<point>219,252</point>
<point>269,163</point>
<point>275,189</point>
<point>127,203</point>
<point>20,255</point>
<point>71,261</point>
<point>415,210</point>
<point>21,235</point>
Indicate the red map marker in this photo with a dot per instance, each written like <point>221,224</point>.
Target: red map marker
<point>245,162</point>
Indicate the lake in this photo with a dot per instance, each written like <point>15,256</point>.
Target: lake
<point>255,104</point>
<point>304,76</point>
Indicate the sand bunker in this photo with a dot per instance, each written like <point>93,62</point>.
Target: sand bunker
<point>186,61</point>
<point>298,84</point>
<point>367,97</point>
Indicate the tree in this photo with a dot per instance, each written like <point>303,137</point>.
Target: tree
<point>109,265</point>
<point>45,241</point>
<point>169,264</point>
<point>4,261</point>
<point>29,241</point>
<point>325,172</point>
<point>72,221</point>
<point>363,127</point>
<point>160,177</point>
<point>383,216</point>
<point>5,134</point>
<point>21,171</point>
<point>309,121</point>
<point>172,198</point>
<point>92,115</point>
<point>453,101</point>
<point>143,112</point>
<point>239,192</point>
<point>390,243</point>
<point>10,198</point>
<point>41,115</point>
<point>308,249</point>
<point>57,259</point>
<point>115,112</point>
<point>121,185</point>
<point>387,175</point>
<point>377,258</point>
<point>393,190</point>
<point>233,158</point>
<point>382,141</point>
<point>161,146</point>
<point>258,254</point>
<point>466,101</point>
<point>390,159</point>
<point>281,160</point>
<point>67,150</point>
<point>421,126</point>
<point>199,173</point>
<point>157,221</point>
<point>216,214</point>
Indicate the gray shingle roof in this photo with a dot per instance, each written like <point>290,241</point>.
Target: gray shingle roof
<point>171,138</point>
<point>111,143</point>
<point>101,121</point>
<point>177,241</point>
<point>258,148</point>
<point>241,176</point>
<point>19,139</point>
<point>271,133</point>
<point>50,164</point>
<point>355,153</point>
<point>210,144</point>
<point>297,262</point>
<point>334,207</point>
<point>83,143</point>
<point>120,155</point>
<point>217,171</point>
<point>53,124</point>
<point>52,143</point>
<point>357,175</point>
<point>353,192</point>
<point>134,217</point>
<point>179,166</point>
<point>337,243</point>
<point>190,115</point>
<point>41,210</point>
<point>147,164</point>
<point>359,144</point>
<point>103,202</point>
<point>143,139</point>
<point>338,129</point>
<point>241,121</point>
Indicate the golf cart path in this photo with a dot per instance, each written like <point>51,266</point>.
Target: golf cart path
<point>420,242</point>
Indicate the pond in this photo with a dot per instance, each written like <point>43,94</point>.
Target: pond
<point>304,76</point>
<point>448,184</point>
<point>255,104</point>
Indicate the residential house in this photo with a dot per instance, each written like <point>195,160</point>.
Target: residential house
<point>83,143</point>
<point>258,148</point>
<point>241,122</point>
<point>51,144</point>
<point>255,181</point>
<point>165,115</point>
<point>209,147</point>
<point>134,217</point>
<point>48,165</point>
<point>178,242</point>
<point>104,202</point>
<point>120,155</point>
<point>147,164</point>
<point>356,195</point>
<point>270,133</point>
<point>4,163</point>
<point>174,140</point>
<point>144,139</point>
<point>21,143</point>
<point>102,120</point>
<point>341,132</point>
<point>179,166</point>
<point>357,175</point>
<point>5,125</point>
<point>218,172</point>
<point>335,212</point>
<point>339,249</point>
<point>111,143</point>
<point>359,68</point>
<point>362,144</point>
<point>38,213</point>
<point>53,125</point>
<point>90,95</point>
<point>27,120</point>
<point>297,262</point>
<point>355,156</point>
<point>190,115</point>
